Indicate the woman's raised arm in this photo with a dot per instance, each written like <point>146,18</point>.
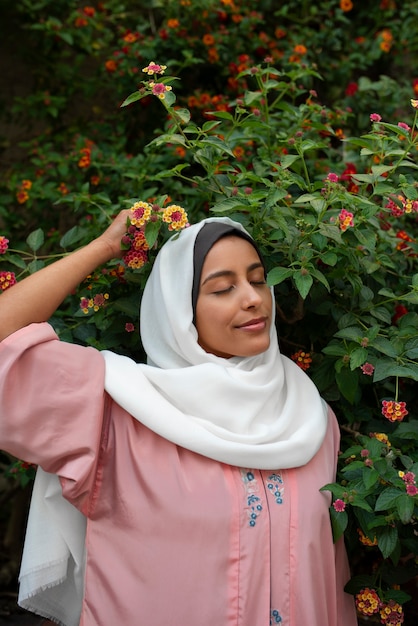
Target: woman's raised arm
<point>36,298</point>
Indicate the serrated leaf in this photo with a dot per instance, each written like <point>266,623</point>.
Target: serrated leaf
<point>277,275</point>
<point>387,499</point>
<point>370,477</point>
<point>357,357</point>
<point>405,506</point>
<point>387,538</point>
<point>385,346</point>
<point>329,258</point>
<point>133,97</point>
<point>347,381</point>
<point>151,232</point>
<point>36,239</point>
<point>288,159</point>
<point>16,260</point>
<point>354,333</point>
<point>303,283</point>
<point>71,237</point>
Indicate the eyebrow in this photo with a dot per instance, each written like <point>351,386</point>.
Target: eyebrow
<point>221,273</point>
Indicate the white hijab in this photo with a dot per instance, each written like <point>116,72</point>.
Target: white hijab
<point>259,412</point>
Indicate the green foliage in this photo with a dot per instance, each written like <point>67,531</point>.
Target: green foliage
<point>294,120</point>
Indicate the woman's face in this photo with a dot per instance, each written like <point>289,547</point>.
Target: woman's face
<point>234,306</point>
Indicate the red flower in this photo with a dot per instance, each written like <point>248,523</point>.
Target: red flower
<point>351,89</point>
<point>394,411</point>
<point>400,311</point>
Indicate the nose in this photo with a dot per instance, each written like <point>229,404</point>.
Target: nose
<point>251,296</point>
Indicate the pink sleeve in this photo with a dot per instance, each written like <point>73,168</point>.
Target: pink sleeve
<point>51,405</point>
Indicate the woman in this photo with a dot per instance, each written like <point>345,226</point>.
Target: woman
<point>191,484</point>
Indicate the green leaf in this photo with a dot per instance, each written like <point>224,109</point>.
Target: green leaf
<point>387,539</point>
<point>277,275</point>
<point>370,477</point>
<point>303,283</point>
<point>151,232</point>
<point>329,258</point>
<point>405,506</point>
<point>385,346</point>
<point>358,357</point>
<point>354,333</point>
<point>387,499</point>
<point>72,236</point>
<point>407,430</point>
<point>219,144</point>
<point>347,381</point>
<point>133,97</point>
<point>36,239</point>
<point>386,368</point>
<point>331,232</point>
<point>339,523</point>
<point>16,260</point>
<point>320,278</point>
<point>183,114</point>
<point>288,159</point>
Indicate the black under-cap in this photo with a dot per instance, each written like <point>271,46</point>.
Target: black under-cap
<point>207,236</point>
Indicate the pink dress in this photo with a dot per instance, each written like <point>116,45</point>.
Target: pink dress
<point>173,538</point>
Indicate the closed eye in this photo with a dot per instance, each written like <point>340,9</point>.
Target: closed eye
<point>221,291</point>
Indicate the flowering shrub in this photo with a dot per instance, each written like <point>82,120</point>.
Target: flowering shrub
<point>237,123</point>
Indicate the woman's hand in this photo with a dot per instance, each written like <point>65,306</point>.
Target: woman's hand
<point>112,236</point>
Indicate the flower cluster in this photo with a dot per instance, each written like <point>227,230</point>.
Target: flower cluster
<point>303,359</point>
<point>137,254</point>
<point>391,614</point>
<point>398,205</point>
<point>141,213</point>
<point>153,68</point>
<point>345,219</point>
<point>7,279</point>
<point>85,158</point>
<point>368,601</point>
<point>382,437</point>
<point>410,483</point>
<point>365,540</point>
<point>394,411</point>
<point>88,305</point>
<point>339,505</point>
<point>3,244</point>
<point>175,216</point>
<point>22,194</point>
<point>157,89</point>
<point>367,369</point>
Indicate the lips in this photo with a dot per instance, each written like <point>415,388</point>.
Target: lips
<point>258,323</point>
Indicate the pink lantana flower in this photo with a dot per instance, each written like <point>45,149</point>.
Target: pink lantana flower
<point>3,244</point>
<point>159,89</point>
<point>7,279</point>
<point>175,216</point>
<point>333,178</point>
<point>404,126</point>
<point>345,219</point>
<point>154,68</point>
<point>367,369</point>
<point>129,327</point>
<point>140,213</point>
<point>375,117</point>
<point>339,505</point>
<point>411,490</point>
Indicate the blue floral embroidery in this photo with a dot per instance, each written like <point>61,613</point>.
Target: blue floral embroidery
<point>254,506</point>
<point>275,617</point>
<point>274,485</point>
